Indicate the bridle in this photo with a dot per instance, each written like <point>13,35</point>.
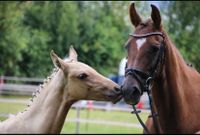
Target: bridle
<point>155,70</point>
<point>146,83</point>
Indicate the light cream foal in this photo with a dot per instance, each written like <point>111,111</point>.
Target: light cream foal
<point>71,81</point>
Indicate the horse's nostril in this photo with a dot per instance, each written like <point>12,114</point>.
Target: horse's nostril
<point>118,90</point>
<point>136,91</point>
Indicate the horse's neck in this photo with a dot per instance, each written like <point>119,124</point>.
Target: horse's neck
<point>52,104</point>
<point>169,93</point>
<point>48,111</point>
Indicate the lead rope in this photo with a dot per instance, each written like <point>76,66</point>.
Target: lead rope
<point>153,115</point>
<point>135,111</point>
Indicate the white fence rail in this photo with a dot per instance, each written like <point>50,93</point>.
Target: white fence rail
<point>19,85</point>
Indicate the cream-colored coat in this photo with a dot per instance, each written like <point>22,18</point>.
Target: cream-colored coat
<point>70,82</point>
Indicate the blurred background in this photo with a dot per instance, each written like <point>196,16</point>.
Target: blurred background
<point>98,31</point>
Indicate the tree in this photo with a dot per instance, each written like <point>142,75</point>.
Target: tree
<point>13,37</point>
<point>98,31</point>
<point>52,26</point>
<point>102,34</point>
<point>184,28</point>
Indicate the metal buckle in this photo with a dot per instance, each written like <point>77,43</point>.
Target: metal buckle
<point>149,83</point>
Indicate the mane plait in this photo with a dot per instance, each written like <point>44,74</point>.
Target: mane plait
<point>41,86</point>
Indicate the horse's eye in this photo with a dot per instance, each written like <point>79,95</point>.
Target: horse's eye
<point>82,76</point>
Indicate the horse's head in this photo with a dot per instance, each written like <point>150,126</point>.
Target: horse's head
<point>145,52</point>
<point>83,82</point>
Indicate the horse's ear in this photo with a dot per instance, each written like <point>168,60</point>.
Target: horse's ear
<point>135,18</point>
<point>72,53</point>
<point>58,62</point>
<point>155,15</point>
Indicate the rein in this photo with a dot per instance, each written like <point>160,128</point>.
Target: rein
<point>146,85</point>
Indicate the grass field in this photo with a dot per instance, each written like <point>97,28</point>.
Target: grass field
<point>70,127</point>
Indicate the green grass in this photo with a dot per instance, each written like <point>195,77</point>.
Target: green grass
<point>11,108</point>
<point>70,127</point>
<point>5,96</point>
<point>103,115</point>
<point>118,116</point>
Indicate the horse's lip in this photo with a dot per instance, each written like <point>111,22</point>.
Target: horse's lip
<point>115,100</point>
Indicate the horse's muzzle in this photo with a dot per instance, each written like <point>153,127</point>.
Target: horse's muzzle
<point>131,95</point>
<point>115,95</point>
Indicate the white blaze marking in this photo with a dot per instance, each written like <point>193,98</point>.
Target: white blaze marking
<point>140,42</point>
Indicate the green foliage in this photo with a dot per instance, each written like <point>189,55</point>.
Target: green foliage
<point>96,29</point>
<point>52,25</point>
<point>184,28</point>
<point>102,35</point>
<point>13,37</point>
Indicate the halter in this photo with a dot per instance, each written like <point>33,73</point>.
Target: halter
<point>146,84</point>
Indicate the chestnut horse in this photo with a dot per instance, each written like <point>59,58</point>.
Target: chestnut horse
<point>153,58</point>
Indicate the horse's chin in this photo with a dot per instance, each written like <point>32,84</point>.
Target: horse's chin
<point>132,101</point>
<point>132,97</point>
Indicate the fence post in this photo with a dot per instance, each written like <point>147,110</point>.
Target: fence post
<point>78,118</point>
<point>2,80</point>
